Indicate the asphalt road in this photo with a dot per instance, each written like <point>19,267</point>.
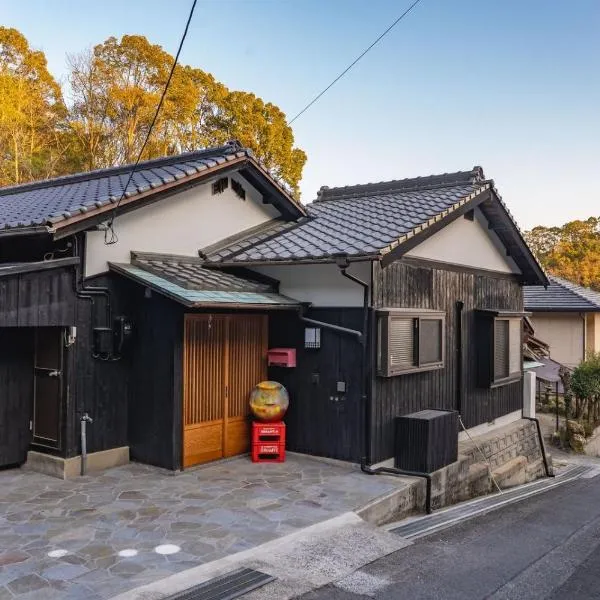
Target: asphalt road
<point>547,546</point>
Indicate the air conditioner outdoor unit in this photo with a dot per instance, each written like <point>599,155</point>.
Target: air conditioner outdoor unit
<point>426,440</point>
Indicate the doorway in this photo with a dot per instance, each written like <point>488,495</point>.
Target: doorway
<point>48,387</point>
<point>225,356</point>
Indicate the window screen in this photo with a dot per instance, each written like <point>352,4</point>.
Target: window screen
<point>410,341</point>
<point>401,342</point>
<point>430,341</point>
<point>501,336</point>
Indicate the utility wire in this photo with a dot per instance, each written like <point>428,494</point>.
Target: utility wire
<point>355,61</point>
<point>110,236</point>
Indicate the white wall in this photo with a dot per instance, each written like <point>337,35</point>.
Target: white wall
<point>181,224</point>
<point>468,243</point>
<point>320,284</point>
<point>564,333</point>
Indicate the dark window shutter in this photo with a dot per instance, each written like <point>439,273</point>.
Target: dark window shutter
<point>401,343</point>
<point>515,348</point>
<point>501,349</point>
<point>430,341</point>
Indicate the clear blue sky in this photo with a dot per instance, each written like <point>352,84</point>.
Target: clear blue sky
<point>511,85</point>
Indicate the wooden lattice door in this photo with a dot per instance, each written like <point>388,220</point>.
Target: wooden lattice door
<point>224,358</point>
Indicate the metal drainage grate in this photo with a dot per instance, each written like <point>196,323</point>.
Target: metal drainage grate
<point>432,524</point>
<point>228,586</point>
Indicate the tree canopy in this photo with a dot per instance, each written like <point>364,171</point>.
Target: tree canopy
<point>114,90</point>
<point>571,251</point>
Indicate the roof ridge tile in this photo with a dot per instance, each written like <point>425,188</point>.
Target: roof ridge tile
<point>475,175</point>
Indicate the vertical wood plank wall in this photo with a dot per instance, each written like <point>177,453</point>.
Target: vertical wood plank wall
<point>224,358</point>
<point>247,365</point>
<point>204,372</point>
<point>403,285</point>
<point>321,420</point>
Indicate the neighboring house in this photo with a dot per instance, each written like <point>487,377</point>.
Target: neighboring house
<point>567,317</point>
<point>397,296</point>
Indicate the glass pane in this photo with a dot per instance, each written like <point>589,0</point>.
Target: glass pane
<point>515,346</point>
<point>500,349</point>
<point>430,341</point>
<point>401,342</point>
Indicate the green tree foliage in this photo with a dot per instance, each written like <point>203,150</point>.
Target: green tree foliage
<point>571,251</point>
<point>114,91</point>
<point>585,384</point>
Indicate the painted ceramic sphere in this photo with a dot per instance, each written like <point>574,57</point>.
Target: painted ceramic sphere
<point>269,401</point>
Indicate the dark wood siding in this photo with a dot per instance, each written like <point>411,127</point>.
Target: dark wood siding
<point>155,427</point>
<point>406,286</point>
<point>38,299</point>
<point>321,420</point>
<point>98,387</point>
<point>16,394</point>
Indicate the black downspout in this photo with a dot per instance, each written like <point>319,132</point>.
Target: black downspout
<point>459,355</point>
<point>88,292</point>
<point>393,471</point>
<point>365,370</point>
<point>353,332</point>
<point>365,375</point>
<point>549,473</point>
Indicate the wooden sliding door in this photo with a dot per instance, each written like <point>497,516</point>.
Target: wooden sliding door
<point>224,358</point>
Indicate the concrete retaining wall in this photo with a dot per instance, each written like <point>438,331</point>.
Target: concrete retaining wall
<point>512,454</point>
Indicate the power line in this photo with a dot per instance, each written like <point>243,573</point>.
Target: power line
<point>110,230</point>
<point>355,60</point>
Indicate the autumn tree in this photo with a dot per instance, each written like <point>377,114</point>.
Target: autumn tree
<point>571,251</point>
<point>117,86</point>
<point>34,139</point>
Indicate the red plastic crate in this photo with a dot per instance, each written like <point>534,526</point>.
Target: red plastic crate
<point>268,432</point>
<point>266,452</point>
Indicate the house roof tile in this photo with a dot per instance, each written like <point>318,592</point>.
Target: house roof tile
<point>561,296</point>
<point>185,280</point>
<point>356,220</point>
<point>45,203</point>
<point>369,221</point>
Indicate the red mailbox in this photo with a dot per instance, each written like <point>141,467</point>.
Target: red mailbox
<point>281,357</point>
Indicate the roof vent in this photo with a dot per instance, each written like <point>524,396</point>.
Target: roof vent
<point>234,144</point>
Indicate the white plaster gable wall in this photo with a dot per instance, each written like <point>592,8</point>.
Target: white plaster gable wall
<point>467,243</point>
<point>321,284</point>
<point>564,333</point>
<point>181,224</point>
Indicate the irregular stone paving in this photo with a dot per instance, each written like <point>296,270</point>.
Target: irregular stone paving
<point>208,513</point>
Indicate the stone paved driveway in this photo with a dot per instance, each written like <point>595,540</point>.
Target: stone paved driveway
<point>99,535</point>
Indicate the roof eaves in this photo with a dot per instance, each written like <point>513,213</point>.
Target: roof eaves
<point>543,276</point>
<point>435,219</point>
<point>573,289</point>
<point>68,218</point>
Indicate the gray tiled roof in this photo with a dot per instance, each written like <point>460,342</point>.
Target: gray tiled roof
<point>185,280</point>
<point>561,296</point>
<point>189,273</point>
<point>361,220</point>
<point>47,202</point>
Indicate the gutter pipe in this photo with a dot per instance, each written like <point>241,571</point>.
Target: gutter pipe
<point>549,472</point>
<point>365,370</point>
<point>353,332</point>
<point>393,471</point>
<point>366,398</point>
